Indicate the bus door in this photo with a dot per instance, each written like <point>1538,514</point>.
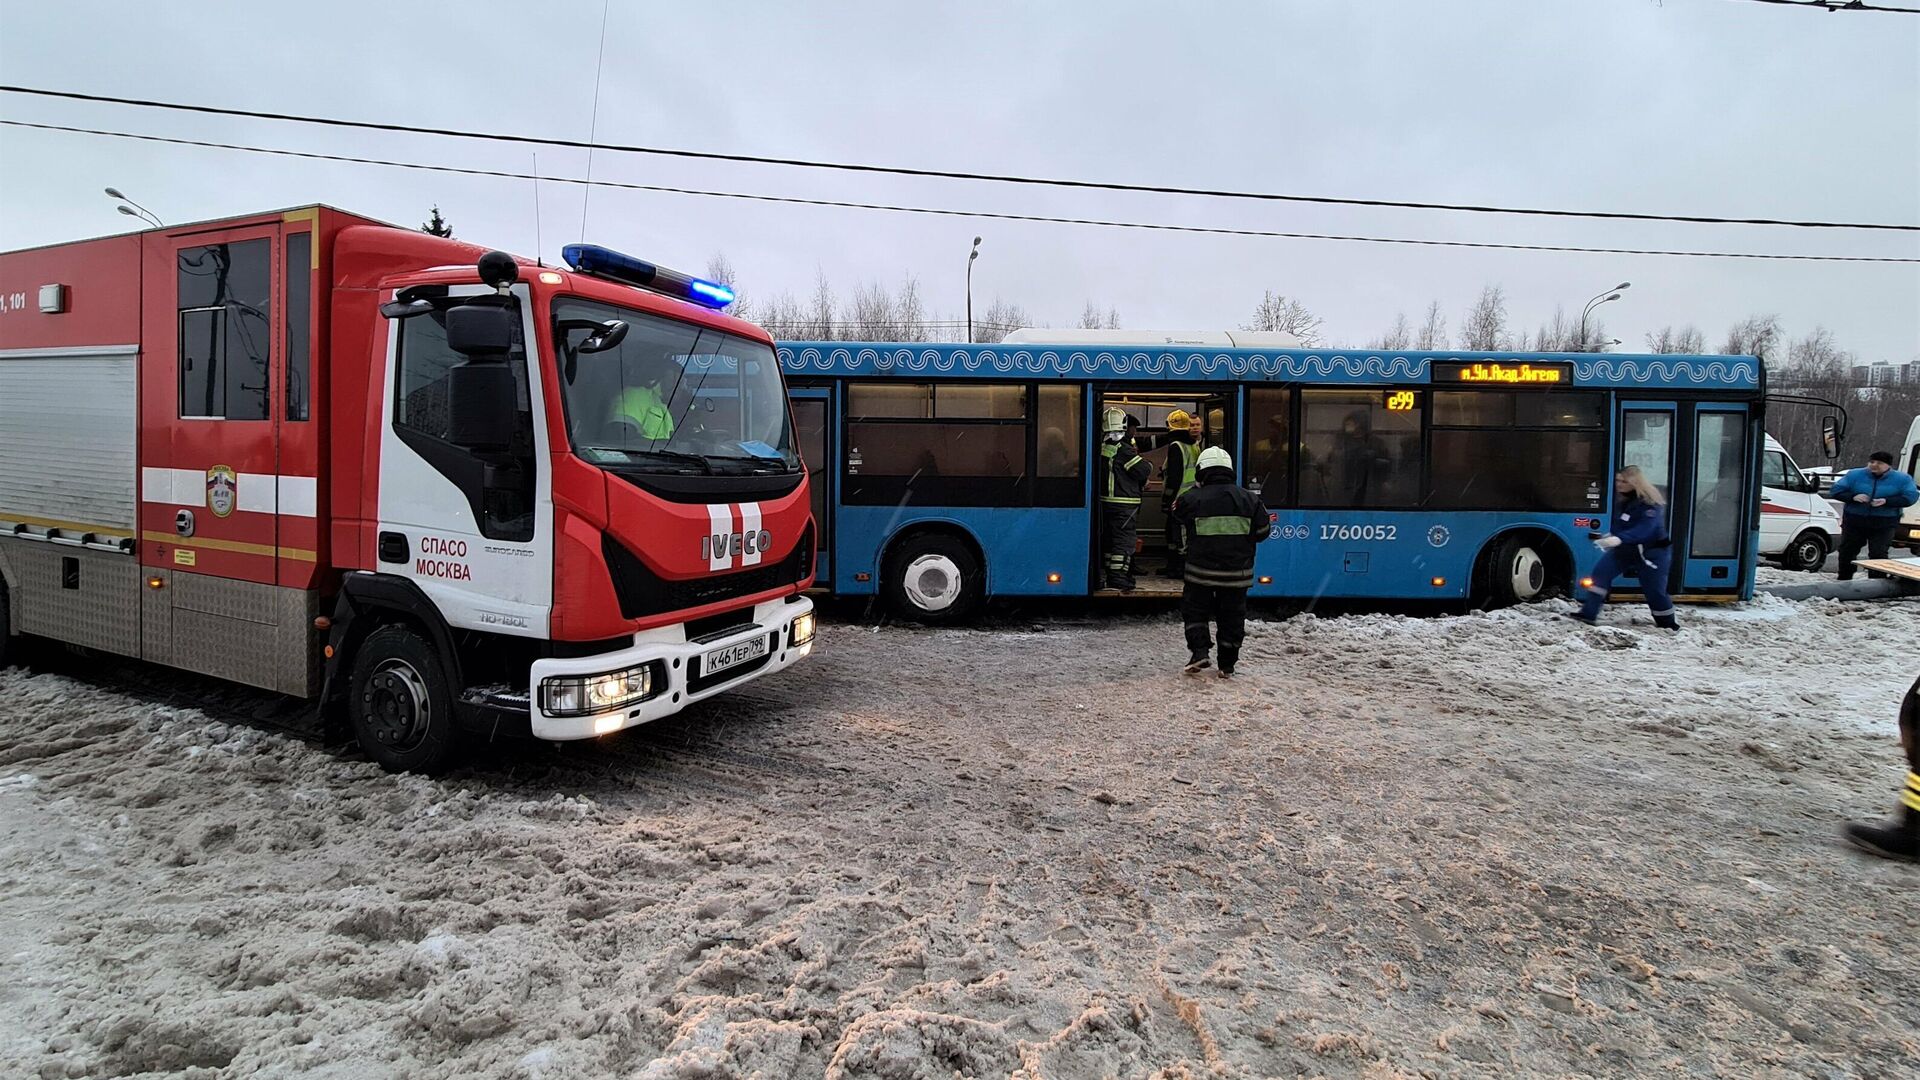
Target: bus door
<point>813,428</point>
<point>1150,408</point>
<point>1699,456</point>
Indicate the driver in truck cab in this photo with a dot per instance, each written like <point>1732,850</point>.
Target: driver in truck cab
<point>643,407</point>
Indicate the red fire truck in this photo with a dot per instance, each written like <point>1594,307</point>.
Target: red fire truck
<point>442,491</point>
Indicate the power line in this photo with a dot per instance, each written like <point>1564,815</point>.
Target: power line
<point>945,212</point>
<point>901,170</point>
<point>1839,5</point>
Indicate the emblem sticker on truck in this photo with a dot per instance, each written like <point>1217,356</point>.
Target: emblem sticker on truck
<point>223,490</point>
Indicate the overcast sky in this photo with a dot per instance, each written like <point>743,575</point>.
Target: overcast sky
<point>1716,107</point>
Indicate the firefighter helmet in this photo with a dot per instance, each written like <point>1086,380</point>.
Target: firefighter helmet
<point>1178,420</point>
<point>1114,420</point>
<point>1213,457</point>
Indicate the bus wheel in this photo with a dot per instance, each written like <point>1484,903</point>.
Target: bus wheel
<point>1517,573</point>
<point>934,579</point>
<point>1807,552</point>
<point>400,708</point>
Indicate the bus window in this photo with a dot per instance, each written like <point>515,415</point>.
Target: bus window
<point>936,445</point>
<point>1719,467</point>
<point>1360,447</point>
<point>1499,450</point>
<point>1646,440</point>
<point>1057,468</point>
<point>1269,456</point>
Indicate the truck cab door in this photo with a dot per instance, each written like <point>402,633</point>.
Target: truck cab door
<point>471,525</point>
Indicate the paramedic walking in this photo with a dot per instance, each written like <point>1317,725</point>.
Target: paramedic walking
<point>1225,524</point>
<point>1872,498</point>
<point>1638,545</point>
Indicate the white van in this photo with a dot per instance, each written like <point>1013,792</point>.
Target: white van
<point>1798,528</point>
<point>1909,531</point>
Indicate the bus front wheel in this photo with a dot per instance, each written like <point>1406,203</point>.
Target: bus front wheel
<point>1516,574</point>
<point>934,579</point>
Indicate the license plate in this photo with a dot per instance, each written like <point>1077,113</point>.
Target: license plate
<point>733,655</point>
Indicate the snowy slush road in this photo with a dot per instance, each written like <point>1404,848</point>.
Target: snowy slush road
<point>1450,846</point>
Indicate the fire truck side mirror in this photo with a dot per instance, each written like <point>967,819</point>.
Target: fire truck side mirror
<point>480,405</point>
<point>480,330</point>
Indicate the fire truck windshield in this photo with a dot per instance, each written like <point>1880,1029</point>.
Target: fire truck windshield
<point>671,396</point>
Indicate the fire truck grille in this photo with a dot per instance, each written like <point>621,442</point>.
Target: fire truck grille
<point>642,592</point>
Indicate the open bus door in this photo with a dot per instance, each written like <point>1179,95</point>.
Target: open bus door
<point>1151,406</point>
<point>1700,455</point>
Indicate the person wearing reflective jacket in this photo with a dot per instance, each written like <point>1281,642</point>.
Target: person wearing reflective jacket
<point>1122,477</point>
<point>1225,524</point>
<point>1638,545</point>
<point>1182,474</point>
<point>1900,837</point>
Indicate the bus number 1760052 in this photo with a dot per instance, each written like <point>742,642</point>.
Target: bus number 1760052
<point>1359,532</point>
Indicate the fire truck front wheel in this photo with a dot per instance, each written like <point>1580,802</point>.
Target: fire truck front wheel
<point>401,708</point>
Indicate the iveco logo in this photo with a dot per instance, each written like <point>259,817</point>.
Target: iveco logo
<point>735,545</point>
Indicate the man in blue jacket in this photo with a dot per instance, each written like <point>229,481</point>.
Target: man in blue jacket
<point>1872,498</point>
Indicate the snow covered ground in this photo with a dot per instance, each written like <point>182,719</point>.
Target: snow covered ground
<point>1395,846</point>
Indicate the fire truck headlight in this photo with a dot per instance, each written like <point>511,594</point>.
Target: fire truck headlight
<point>584,695</point>
<point>802,631</point>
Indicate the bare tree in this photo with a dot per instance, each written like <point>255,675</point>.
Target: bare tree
<point>1000,319</point>
<point>870,315</point>
<point>1090,318</point>
<point>1433,332</point>
<point>1755,335</point>
<point>1484,329</point>
<point>1686,340</point>
<point>1113,318</point>
<point>783,318</point>
<point>821,322</point>
<point>910,312</point>
<point>1277,312</point>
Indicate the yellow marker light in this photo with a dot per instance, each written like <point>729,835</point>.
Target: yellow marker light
<point>1439,582</point>
<point>548,277</point>
<point>1053,579</point>
<point>1266,581</point>
<point>156,582</point>
<point>1586,583</point>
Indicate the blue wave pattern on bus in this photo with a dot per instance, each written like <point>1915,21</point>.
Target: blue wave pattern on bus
<point>1595,370</point>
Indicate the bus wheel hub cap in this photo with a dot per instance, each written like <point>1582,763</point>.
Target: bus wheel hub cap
<point>1529,573</point>
<point>932,582</point>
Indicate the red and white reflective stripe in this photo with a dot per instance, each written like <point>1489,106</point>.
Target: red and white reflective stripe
<point>750,530</point>
<point>719,536</point>
<point>1776,508</point>
<point>253,493</point>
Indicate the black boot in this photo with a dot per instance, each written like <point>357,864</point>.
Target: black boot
<point>1896,838</point>
<point>1666,622</point>
<point>1197,662</point>
<point>1229,659</point>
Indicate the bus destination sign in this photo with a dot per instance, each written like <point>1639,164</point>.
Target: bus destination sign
<point>1496,373</point>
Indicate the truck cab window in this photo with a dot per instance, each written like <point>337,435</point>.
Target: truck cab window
<point>225,330</point>
<point>499,484</point>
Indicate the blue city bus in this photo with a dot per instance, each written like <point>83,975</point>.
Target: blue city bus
<point>943,475</point>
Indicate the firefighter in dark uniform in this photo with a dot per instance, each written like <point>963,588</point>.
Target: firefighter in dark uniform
<point>1899,838</point>
<point>1225,524</point>
<point>1123,476</point>
<point>1182,474</point>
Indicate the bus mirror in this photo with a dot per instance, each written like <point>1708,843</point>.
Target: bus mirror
<point>1830,436</point>
<point>480,330</point>
<point>605,336</point>
<point>480,405</point>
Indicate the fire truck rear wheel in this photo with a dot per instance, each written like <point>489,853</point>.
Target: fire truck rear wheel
<point>401,708</point>
<point>934,579</point>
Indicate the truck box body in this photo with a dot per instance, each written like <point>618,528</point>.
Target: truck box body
<point>215,449</point>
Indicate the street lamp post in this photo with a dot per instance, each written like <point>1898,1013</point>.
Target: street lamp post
<point>1605,296</point>
<point>134,209</point>
<point>971,255</point>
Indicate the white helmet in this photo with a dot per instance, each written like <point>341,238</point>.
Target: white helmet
<point>1114,421</point>
<point>1213,457</point>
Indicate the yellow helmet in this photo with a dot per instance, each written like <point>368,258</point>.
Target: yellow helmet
<point>1179,420</point>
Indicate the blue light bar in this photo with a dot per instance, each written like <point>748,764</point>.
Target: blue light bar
<point>605,263</point>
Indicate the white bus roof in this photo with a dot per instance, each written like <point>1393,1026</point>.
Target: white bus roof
<point>1239,339</point>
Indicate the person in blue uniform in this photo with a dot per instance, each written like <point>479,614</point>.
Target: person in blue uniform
<point>1637,545</point>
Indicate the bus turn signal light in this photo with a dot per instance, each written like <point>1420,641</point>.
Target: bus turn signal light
<point>1266,581</point>
<point>1586,583</point>
<point>1053,579</point>
<point>1439,583</point>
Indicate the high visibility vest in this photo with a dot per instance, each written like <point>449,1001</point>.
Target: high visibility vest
<point>1185,459</point>
<point>643,407</point>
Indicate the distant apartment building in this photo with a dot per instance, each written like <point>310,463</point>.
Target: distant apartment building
<point>1883,373</point>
